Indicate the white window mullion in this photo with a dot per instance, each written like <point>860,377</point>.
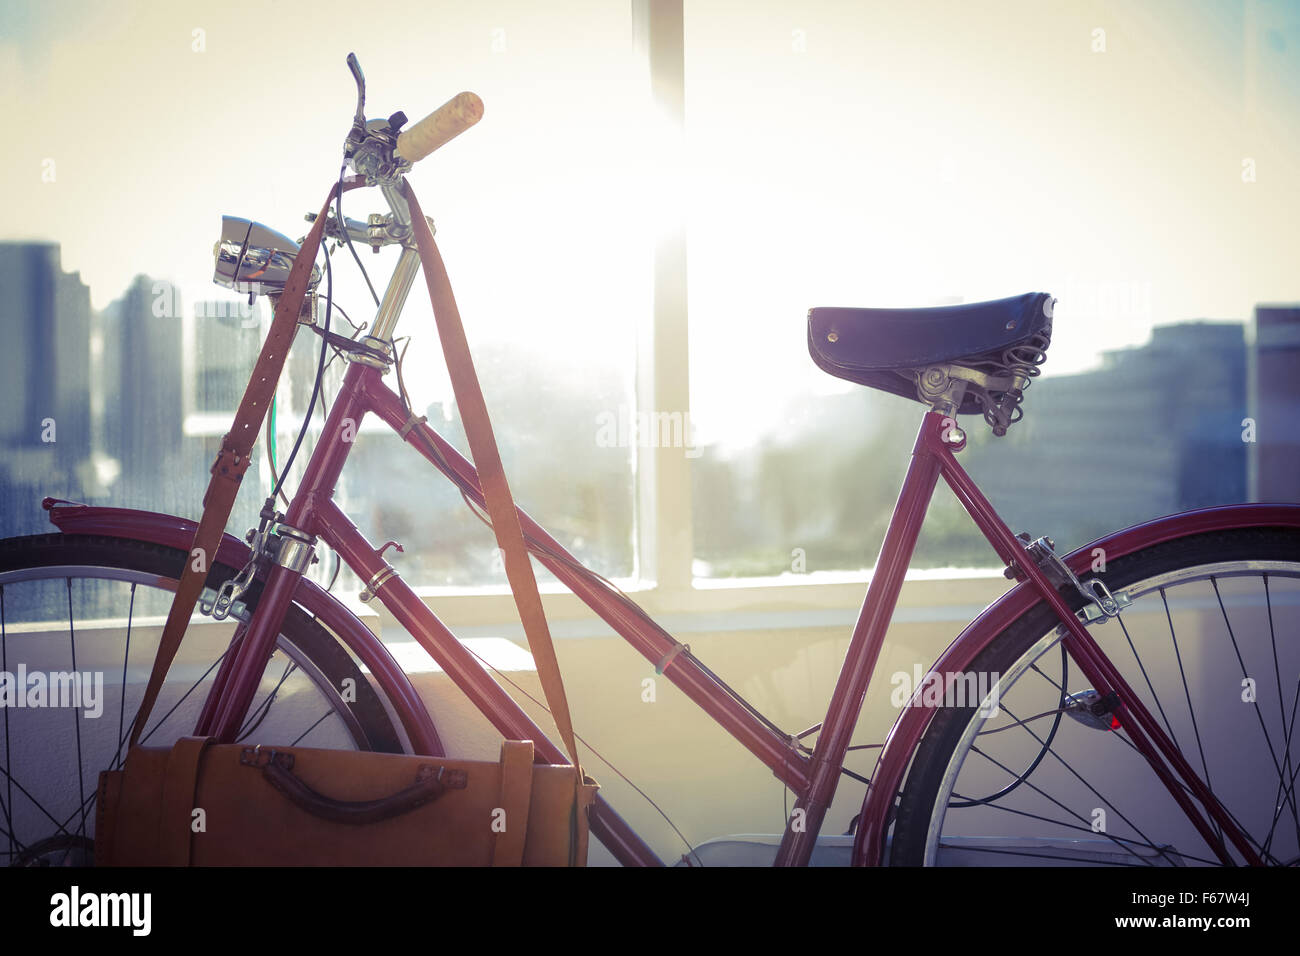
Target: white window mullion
<point>665,546</point>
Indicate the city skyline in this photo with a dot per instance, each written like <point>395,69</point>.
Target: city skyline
<point>159,393</point>
<point>1141,172</point>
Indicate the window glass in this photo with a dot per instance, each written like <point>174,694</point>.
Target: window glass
<point>896,155</point>
<point>116,333</point>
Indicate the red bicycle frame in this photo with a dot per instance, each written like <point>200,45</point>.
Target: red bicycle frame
<point>932,456</point>
<point>813,779</point>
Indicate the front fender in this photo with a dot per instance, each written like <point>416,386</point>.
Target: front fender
<point>172,531</point>
<point>909,727</point>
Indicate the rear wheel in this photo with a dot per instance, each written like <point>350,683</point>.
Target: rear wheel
<point>1211,644</point>
<point>80,618</point>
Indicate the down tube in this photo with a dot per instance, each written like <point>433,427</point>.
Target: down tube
<point>421,623</point>
<point>789,764</point>
<point>465,670</point>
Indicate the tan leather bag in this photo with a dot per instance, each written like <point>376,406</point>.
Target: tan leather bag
<point>203,804</point>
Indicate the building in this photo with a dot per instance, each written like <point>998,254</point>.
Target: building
<point>46,425</point>
<point>1274,456</point>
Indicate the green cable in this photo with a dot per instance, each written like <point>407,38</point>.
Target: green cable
<point>270,443</point>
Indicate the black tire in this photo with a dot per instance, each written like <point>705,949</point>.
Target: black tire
<point>920,791</point>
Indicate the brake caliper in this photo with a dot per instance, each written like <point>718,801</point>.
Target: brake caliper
<point>1101,604</point>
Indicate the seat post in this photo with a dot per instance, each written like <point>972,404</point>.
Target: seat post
<point>940,390</point>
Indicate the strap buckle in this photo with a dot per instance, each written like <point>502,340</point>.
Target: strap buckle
<point>230,464</point>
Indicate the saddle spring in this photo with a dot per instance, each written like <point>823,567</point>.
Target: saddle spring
<point>1020,364</point>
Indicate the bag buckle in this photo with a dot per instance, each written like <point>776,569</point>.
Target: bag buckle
<point>259,757</point>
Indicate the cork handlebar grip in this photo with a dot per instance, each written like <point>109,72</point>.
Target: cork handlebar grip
<point>442,125</point>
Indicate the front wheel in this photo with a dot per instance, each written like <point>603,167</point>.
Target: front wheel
<point>1025,775</point>
<point>80,618</point>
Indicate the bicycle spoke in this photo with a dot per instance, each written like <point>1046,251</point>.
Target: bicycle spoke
<point>1032,786</point>
<point>1066,764</point>
<point>1034,667</point>
<point>265,707</point>
<point>1036,856</point>
<point>311,728</point>
<point>89,802</point>
<point>1087,829</point>
<point>9,785</point>
<point>36,803</point>
<point>175,706</point>
<point>1291,783</point>
<point>1288,725</point>
<point>1119,735</point>
<point>1286,786</point>
<point>1056,725</point>
<point>85,807</point>
<point>1154,696</point>
<point>15,845</point>
<point>121,710</point>
<point>81,764</point>
<point>1268,738</point>
<point>1196,730</point>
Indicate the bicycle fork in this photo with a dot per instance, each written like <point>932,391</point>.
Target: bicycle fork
<point>237,683</point>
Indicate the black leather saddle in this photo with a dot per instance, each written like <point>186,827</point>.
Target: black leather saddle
<point>880,347</point>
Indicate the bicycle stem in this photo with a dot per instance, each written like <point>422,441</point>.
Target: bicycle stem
<point>404,273</point>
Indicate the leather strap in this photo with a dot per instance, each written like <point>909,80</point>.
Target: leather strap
<point>516,795</point>
<point>492,477</point>
<point>180,786</point>
<point>232,461</point>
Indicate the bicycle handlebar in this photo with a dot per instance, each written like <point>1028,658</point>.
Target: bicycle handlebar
<point>445,123</point>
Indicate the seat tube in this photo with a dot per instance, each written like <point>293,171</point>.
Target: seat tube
<point>864,648</point>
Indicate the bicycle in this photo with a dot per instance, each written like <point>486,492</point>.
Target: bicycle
<point>927,801</point>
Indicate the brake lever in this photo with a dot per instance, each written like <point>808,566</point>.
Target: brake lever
<point>357,135</point>
<point>355,66</point>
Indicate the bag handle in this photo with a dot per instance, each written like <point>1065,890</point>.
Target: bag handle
<point>492,477</point>
<point>228,470</point>
<point>427,788</point>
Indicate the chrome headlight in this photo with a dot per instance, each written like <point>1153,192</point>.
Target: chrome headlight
<point>254,258</point>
